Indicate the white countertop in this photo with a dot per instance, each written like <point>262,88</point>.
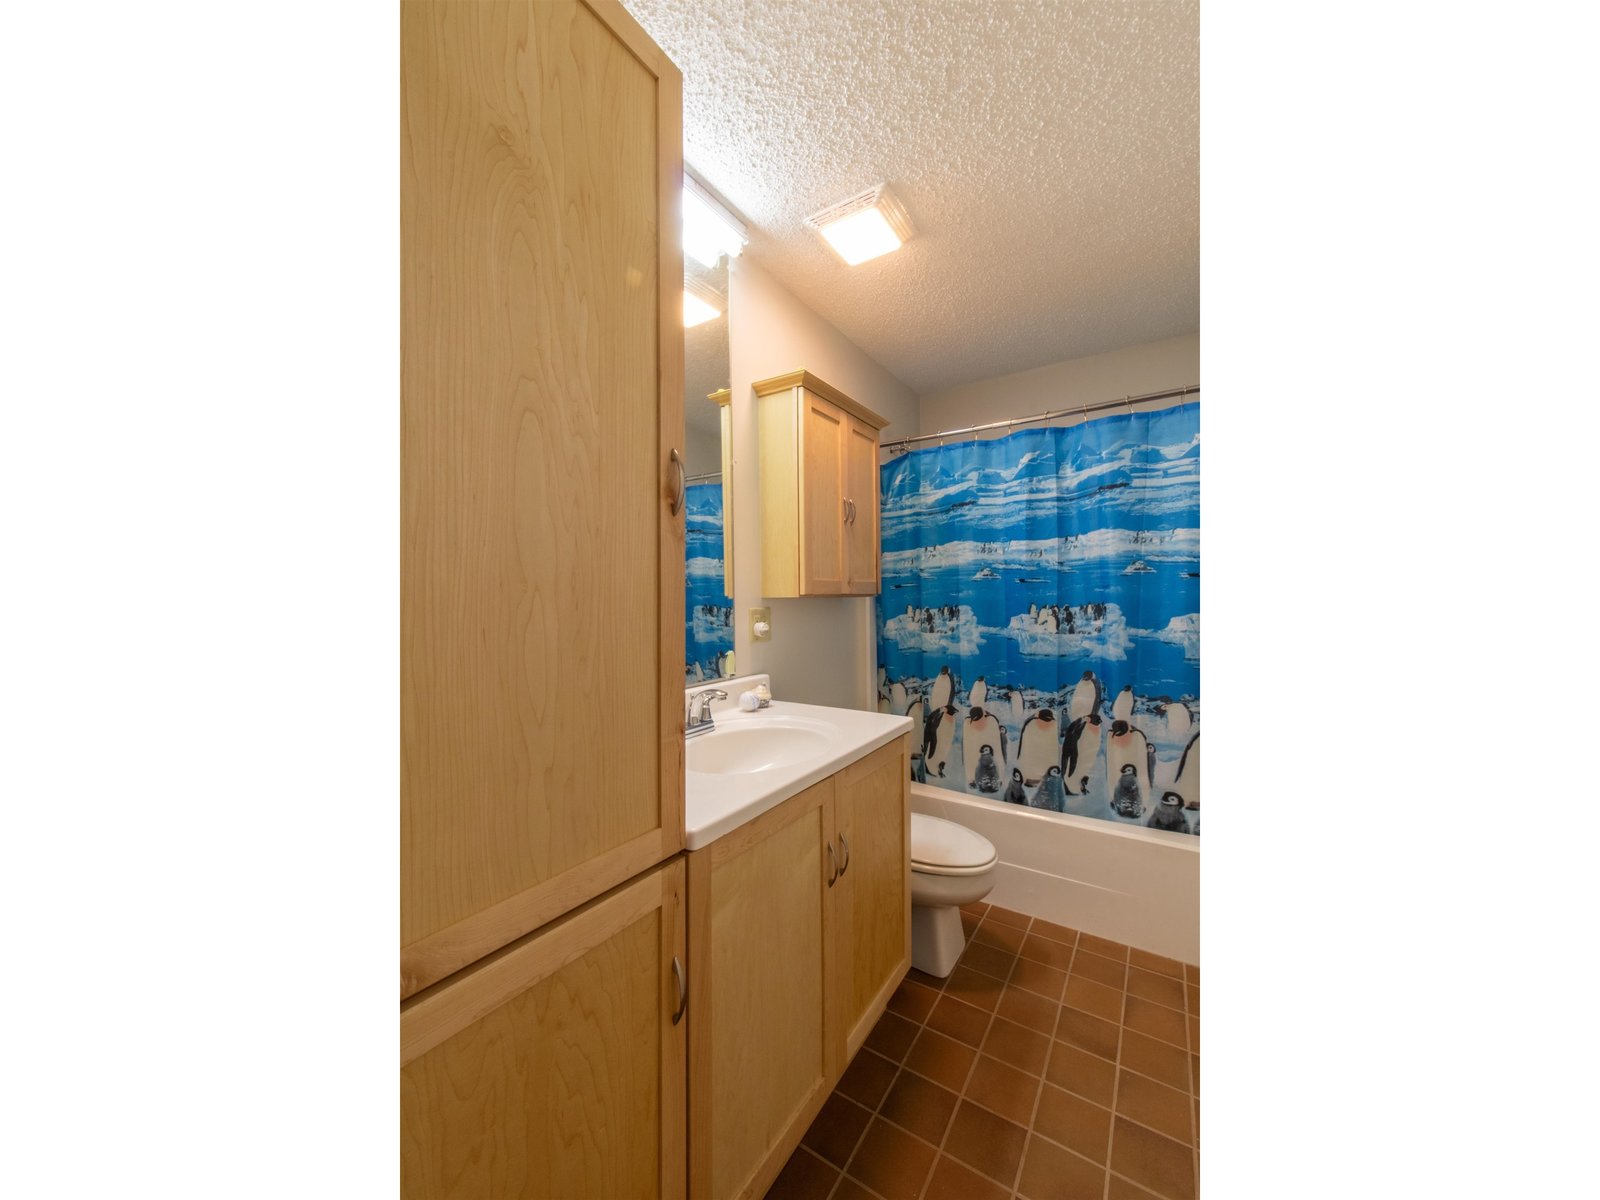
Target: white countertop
<point>718,804</point>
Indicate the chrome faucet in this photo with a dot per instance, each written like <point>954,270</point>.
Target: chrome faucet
<point>697,718</point>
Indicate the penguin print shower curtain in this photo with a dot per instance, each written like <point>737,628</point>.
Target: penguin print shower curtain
<point>1040,616</point>
<point>708,613</point>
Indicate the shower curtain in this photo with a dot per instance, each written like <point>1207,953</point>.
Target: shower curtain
<point>1040,616</point>
<point>708,612</point>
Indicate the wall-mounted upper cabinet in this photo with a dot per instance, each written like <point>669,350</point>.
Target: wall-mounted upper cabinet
<point>819,489</point>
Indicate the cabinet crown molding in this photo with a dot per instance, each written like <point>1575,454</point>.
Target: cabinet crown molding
<point>780,383</point>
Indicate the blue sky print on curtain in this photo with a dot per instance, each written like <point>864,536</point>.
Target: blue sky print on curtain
<point>708,613</point>
<point>1040,616</point>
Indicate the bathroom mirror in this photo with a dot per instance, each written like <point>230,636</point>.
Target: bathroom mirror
<point>708,510</point>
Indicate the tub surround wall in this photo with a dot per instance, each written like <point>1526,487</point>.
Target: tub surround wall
<point>822,648</point>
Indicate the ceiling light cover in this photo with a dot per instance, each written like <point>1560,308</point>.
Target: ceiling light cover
<point>709,229</point>
<point>867,225</point>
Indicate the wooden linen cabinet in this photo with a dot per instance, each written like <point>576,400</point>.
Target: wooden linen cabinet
<point>541,609</point>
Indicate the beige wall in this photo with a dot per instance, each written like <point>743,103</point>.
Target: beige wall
<point>1132,370</point>
<point>821,648</point>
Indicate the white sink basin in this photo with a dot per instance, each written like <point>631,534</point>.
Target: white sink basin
<point>746,747</point>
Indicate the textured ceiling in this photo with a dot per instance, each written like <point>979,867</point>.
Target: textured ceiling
<point>1048,154</point>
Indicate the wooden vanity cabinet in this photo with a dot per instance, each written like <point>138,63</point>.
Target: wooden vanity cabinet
<point>799,932</point>
<point>819,489</point>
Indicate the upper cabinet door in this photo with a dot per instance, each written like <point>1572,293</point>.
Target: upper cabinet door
<point>822,509</point>
<point>861,495</point>
<point>541,608</point>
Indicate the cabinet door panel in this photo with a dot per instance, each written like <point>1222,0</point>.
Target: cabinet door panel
<point>761,927</point>
<point>861,487</point>
<point>872,806</point>
<point>541,390</point>
<point>554,1069</point>
<point>822,550</point>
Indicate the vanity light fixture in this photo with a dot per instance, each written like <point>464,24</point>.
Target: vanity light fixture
<point>868,224</point>
<point>700,303</point>
<point>709,229</point>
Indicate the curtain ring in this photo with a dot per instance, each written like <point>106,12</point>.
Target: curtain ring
<point>1128,402</point>
<point>1085,414</point>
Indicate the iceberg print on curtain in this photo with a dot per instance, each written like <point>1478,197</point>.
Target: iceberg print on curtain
<point>708,612</point>
<point>1040,616</point>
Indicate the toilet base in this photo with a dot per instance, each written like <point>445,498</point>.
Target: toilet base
<point>936,938</point>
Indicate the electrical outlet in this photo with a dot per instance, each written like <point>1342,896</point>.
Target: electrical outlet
<point>761,624</point>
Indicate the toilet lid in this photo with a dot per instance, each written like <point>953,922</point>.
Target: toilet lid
<point>938,846</point>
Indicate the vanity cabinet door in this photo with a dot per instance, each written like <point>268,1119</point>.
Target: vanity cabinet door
<point>555,1068</point>
<point>761,932</point>
<point>541,398</point>
<point>823,432</point>
<point>873,895</point>
<point>861,495</point>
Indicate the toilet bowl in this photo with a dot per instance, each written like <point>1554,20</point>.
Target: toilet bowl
<point>951,865</point>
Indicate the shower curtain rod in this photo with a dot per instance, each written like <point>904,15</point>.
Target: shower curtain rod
<point>702,478</point>
<point>1126,402</point>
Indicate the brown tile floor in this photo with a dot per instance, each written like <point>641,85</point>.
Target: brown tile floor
<point>1050,1065</point>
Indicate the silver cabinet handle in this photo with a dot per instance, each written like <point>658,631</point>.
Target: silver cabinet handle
<point>683,990</point>
<point>844,847</point>
<point>679,484</point>
<point>852,504</point>
<point>833,869</point>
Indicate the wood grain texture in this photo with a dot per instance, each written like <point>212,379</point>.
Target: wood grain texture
<point>760,1067</point>
<point>815,453</point>
<point>554,1070</point>
<point>872,806</point>
<point>861,487</point>
<point>541,393</point>
<point>822,536</point>
<point>778,438</point>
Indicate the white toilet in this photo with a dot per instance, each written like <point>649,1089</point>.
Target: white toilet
<point>950,866</point>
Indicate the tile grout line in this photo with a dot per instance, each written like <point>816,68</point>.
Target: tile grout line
<point>1049,1053</point>
<point>977,1051</point>
<point>901,1069</point>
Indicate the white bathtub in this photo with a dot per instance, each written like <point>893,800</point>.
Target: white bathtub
<point>1123,882</point>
